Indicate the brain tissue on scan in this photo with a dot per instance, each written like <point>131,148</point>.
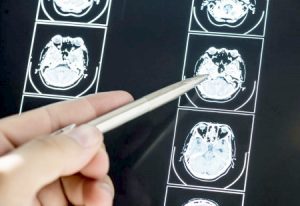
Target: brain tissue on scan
<point>227,12</point>
<point>63,62</point>
<point>74,7</point>
<point>209,151</point>
<point>200,202</point>
<point>226,72</point>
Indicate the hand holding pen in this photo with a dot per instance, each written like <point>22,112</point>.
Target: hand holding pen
<point>41,164</point>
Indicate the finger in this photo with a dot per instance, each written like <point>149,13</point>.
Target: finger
<point>43,160</point>
<point>5,144</point>
<point>36,202</point>
<point>20,129</point>
<point>83,191</point>
<point>95,192</point>
<point>98,167</point>
<point>53,195</point>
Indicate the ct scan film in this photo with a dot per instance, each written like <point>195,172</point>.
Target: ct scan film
<point>192,152</point>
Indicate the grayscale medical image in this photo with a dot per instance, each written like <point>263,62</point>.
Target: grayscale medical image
<point>211,149</point>
<point>229,16</point>
<point>83,11</point>
<point>232,140</point>
<point>233,67</point>
<point>228,12</point>
<point>75,8</point>
<point>65,61</point>
<point>226,72</point>
<point>184,196</point>
<point>201,202</point>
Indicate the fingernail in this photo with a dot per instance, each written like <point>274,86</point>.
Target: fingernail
<point>86,136</point>
<point>107,187</point>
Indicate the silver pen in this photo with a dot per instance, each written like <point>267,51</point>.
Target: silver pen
<point>128,112</point>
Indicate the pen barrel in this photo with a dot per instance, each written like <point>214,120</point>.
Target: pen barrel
<point>141,106</point>
<point>146,104</point>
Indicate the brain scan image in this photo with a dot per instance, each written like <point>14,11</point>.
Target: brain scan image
<point>209,151</point>
<point>229,16</point>
<point>76,8</point>
<point>85,11</point>
<point>201,202</point>
<point>226,72</point>
<point>227,12</point>
<point>63,62</point>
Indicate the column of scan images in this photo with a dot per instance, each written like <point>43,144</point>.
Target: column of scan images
<point>66,51</point>
<point>215,121</point>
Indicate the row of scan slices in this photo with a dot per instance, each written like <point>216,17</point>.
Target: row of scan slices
<point>225,16</point>
<point>66,62</point>
<point>66,52</point>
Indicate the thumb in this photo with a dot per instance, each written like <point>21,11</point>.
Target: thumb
<point>41,161</point>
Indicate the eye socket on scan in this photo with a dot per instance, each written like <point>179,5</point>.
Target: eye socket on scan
<point>226,72</point>
<point>200,202</point>
<point>57,40</point>
<point>63,62</point>
<point>74,7</point>
<point>209,151</point>
<point>228,12</point>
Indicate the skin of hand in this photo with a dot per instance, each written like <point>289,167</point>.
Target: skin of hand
<point>57,170</point>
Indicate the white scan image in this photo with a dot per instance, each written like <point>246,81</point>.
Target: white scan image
<point>201,202</point>
<point>63,62</point>
<point>227,12</point>
<point>76,8</point>
<point>226,72</point>
<point>209,151</point>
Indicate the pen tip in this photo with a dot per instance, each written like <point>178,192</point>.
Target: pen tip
<point>197,79</point>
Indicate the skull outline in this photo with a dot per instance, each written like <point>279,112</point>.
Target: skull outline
<point>230,13</point>
<point>205,143</point>
<point>200,202</point>
<point>63,63</point>
<point>226,74</point>
<point>73,7</point>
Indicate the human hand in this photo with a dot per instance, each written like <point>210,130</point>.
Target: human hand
<point>37,169</point>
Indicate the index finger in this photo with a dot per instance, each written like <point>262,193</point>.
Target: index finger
<point>21,128</point>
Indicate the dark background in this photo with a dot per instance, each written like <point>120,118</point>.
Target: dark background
<point>145,51</point>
